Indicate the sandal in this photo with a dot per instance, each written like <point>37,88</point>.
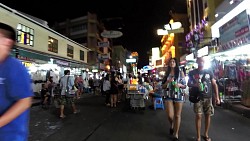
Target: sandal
<point>206,138</point>
<point>63,116</point>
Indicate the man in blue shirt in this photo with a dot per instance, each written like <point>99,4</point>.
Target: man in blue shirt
<point>15,91</point>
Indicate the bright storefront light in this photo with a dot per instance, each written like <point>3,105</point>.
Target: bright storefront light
<point>173,26</point>
<point>231,54</point>
<point>162,32</point>
<point>237,10</point>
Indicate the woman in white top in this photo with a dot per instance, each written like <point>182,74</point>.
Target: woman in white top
<point>106,89</point>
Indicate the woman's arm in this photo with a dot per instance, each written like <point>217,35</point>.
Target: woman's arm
<point>182,83</point>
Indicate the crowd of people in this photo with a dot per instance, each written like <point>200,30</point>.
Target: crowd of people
<point>171,88</point>
<point>16,93</point>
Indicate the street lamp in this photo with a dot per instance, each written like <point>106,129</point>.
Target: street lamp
<point>173,25</point>
<point>162,32</point>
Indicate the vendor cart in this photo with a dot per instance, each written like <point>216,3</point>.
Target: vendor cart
<point>136,96</point>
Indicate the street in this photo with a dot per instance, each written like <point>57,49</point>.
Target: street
<point>96,122</point>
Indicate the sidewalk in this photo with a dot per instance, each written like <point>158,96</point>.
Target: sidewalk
<point>238,108</point>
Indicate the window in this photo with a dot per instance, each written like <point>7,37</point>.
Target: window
<point>53,45</point>
<point>25,35</point>
<point>81,55</point>
<point>70,51</point>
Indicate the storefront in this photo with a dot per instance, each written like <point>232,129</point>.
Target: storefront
<point>42,66</point>
<point>232,70</point>
<point>231,64</point>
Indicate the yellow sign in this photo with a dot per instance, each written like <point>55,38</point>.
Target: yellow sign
<point>27,64</point>
<point>134,54</point>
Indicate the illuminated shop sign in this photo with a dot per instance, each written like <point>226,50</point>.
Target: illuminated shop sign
<point>203,51</point>
<point>130,60</point>
<point>235,32</point>
<point>62,63</point>
<point>190,57</point>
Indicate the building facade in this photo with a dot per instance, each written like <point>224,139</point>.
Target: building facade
<point>42,50</point>
<point>87,30</point>
<point>201,16</point>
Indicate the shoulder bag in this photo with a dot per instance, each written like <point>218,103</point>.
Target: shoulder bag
<point>70,92</point>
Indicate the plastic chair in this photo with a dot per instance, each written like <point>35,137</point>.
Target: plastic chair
<point>158,103</point>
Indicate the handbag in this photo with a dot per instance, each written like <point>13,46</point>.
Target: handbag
<point>70,92</point>
<point>194,95</point>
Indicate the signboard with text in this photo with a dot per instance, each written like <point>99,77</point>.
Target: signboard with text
<point>130,60</point>
<point>235,32</point>
<point>103,44</point>
<point>111,34</point>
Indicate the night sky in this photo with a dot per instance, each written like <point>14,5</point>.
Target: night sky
<point>139,18</point>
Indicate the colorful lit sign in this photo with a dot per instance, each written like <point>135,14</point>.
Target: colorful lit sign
<point>133,60</point>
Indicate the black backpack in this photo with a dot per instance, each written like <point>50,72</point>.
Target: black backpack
<point>194,95</point>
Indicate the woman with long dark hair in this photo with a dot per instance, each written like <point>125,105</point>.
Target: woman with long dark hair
<point>174,82</point>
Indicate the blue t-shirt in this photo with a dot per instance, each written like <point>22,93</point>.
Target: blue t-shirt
<point>15,84</point>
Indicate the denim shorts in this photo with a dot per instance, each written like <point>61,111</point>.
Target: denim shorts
<point>174,97</point>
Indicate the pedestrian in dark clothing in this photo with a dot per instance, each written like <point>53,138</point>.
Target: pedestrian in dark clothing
<point>45,96</point>
<point>203,80</point>
<point>91,84</point>
<point>113,90</point>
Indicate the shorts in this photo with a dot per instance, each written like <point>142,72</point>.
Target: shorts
<point>204,106</point>
<point>63,100</point>
<point>174,99</point>
<point>173,96</point>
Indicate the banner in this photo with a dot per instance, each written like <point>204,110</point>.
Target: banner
<point>235,32</point>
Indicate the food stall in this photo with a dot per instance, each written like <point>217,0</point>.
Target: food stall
<point>137,95</point>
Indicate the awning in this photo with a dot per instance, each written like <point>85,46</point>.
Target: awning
<point>33,55</point>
